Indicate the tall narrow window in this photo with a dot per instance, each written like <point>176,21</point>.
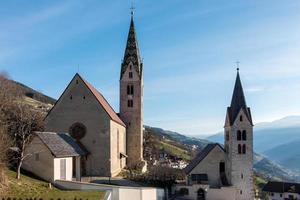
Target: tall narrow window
<point>118,144</point>
<point>239,149</point>
<point>130,75</point>
<point>241,118</point>
<point>130,103</point>
<point>244,135</point>
<point>128,89</point>
<point>239,135</point>
<point>36,156</point>
<point>131,90</point>
<point>244,149</point>
<point>227,135</point>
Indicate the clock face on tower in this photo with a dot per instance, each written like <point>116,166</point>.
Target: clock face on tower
<point>77,131</point>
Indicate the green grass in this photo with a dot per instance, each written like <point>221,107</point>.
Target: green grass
<point>174,150</point>
<point>28,187</point>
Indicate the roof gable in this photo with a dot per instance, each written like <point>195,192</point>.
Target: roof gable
<point>99,98</point>
<point>201,155</point>
<point>60,144</point>
<point>282,187</point>
<point>238,102</point>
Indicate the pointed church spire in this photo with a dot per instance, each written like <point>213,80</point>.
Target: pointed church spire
<point>132,53</point>
<point>238,101</point>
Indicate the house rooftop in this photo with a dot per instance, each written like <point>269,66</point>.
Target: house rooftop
<point>282,187</point>
<point>61,144</point>
<point>200,156</point>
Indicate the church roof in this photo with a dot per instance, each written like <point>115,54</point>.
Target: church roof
<point>99,97</point>
<point>104,103</point>
<point>282,187</point>
<point>200,156</point>
<point>238,102</point>
<point>132,52</point>
<point>61,144</point>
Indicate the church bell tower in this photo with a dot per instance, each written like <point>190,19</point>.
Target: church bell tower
<point>131,97</point>
<point>239,143</point>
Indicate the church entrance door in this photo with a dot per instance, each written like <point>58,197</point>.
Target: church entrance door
<point>201,194</point>
<point>63,169</point>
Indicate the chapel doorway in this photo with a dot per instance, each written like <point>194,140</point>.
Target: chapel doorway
<point>63,169</point>
<point>222,167</point>
<point>201,194</point>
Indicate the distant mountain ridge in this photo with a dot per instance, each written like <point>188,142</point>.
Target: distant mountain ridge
<point>278,140</point>
<point>262,165</point>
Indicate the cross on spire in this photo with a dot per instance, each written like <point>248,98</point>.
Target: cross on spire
<point>132,8</point>
<point>237,65</point>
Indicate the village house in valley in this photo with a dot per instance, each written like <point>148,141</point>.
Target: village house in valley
<point>107,141</point>
<point>225,173</point>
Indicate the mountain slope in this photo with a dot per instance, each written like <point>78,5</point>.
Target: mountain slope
<point>278,140</point>
<point>288,155</point>
<point>262,165</point>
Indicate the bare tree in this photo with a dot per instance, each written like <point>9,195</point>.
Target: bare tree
<point>18,120</point>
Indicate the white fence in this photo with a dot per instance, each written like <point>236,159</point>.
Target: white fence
<point>115,192</point>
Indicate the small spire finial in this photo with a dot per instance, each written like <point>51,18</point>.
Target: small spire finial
<point>132,8</point>
<point>237,66</point>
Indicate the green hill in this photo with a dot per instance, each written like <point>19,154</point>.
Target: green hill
<point>29,187</point>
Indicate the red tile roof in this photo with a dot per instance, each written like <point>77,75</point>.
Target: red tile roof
<point>103,102</point>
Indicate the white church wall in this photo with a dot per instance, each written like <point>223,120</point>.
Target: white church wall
<point>118,145</point>
<point>223,193</point>
<point>210,166</point>
<point>118,192</point>
<point>40,160</point>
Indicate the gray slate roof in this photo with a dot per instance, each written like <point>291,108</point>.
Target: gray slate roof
<point>132,52</point>
<point>61,144</point>
<point>238,102</point>
<point>282,187</point>
<point>200,156</point>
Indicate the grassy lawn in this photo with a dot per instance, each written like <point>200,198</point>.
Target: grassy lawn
<point>28,187</point>
<point>181,153</point>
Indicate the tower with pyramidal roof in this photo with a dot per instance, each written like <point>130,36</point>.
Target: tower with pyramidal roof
<point>239,143</point>
<point>131,97</point>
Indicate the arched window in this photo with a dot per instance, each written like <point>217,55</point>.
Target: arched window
<point>241,118</point>
<point>239,135</point>
<point>239,149</point>
<point>244,135</point>
<point>244,149</point>
<point>200,194</point>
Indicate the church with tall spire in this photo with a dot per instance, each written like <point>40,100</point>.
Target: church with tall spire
<point>131,97</point>
<point>225,171</point>
<point>111,140</point>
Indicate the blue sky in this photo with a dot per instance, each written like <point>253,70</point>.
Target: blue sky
<point>189,48</point>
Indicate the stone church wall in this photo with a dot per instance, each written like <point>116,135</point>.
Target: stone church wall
<point>118,145</point>
<point>77,104</point>
<point>210,166</point>
<point>43,167</point>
